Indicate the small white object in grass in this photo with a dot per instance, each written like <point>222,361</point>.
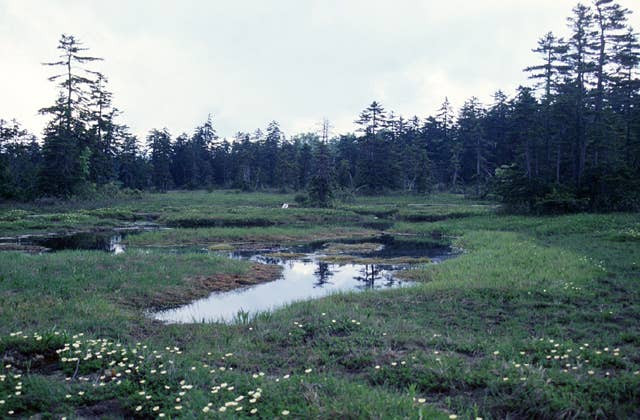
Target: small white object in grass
<point>285,205</point>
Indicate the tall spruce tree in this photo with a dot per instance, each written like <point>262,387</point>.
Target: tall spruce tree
<point>625,91</point>
<point>66,155</point>
<point>548,76</point>
<point>133,171</point>
<point>579,58</point>
<point>610,21</point>
<point>372,119</point>
<point>476,165</point>
<point>159,143</point>
<point>321,185</point>
<point>102,131</point>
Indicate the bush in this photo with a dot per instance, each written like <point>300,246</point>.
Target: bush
<point>560,201</point>
<point>612,190</point>
<point>301,199</point>
<point>530,195</point>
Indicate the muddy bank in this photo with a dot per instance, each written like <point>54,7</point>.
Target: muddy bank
<point>356,259</point>
<point>198,287</point>
<point>244,239</point>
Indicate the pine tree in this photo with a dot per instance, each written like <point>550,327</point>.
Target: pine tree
<point>269,156</point>
<point>525,131</point>
<point>203,141</point>
<point>305,164</point>
<point>476,147</point>
<point>496,128</point>
<point>159,143</point>
<point>133,171</point>
<point>443,145</point>
<point>244,157</point>
<point>321,185</point>
<point>102,131</point>
<point>182,166</point>
<point>549,75</point>
<point>610,19</point>
<point>579,59</point>
<point>625,90</point>
<point>372,119</point>
<point>66,157</point>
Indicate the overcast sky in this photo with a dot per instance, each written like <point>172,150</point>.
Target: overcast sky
<point>170,63</point>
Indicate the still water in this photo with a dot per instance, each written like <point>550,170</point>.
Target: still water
<point>105,240</point>
<point>305,278</point>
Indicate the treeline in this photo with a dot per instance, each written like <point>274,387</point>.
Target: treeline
<point>569,142</point>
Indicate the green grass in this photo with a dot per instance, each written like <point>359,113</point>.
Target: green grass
<point>229,209</point>
<point>539,317</point>
<point>95,292</point>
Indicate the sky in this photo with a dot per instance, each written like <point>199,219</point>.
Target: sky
<point>248,62</point>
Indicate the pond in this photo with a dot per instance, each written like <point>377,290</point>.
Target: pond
<point>308,272</point>
<point>307,277</point>
<point>102,240</point>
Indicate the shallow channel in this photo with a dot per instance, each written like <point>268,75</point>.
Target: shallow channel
<point>109,240</point>
<point>302,278</point>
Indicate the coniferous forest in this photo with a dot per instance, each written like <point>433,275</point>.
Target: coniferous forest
<point>568,141</point>
<point>479,262</point>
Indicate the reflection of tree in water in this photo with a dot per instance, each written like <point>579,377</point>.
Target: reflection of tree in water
<point>272,260</point>
<point>370,273</point>
<point>322,274</point>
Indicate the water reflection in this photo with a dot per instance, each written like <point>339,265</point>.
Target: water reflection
<point>102,241</point>
<point>370,273</point>
<point>322,273</point>
<point>301,279</point>
<point>107,240</point>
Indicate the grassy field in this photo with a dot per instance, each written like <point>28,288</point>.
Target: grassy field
<point>538,317</point>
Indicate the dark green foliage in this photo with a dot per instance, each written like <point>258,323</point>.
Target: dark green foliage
<point>522,193</point>
<point>159,142</point>
<point>20,157</point>
<point>571,142</point>
<point>321,185</point>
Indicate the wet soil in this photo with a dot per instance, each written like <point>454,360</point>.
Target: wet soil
<point>198,287</point>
